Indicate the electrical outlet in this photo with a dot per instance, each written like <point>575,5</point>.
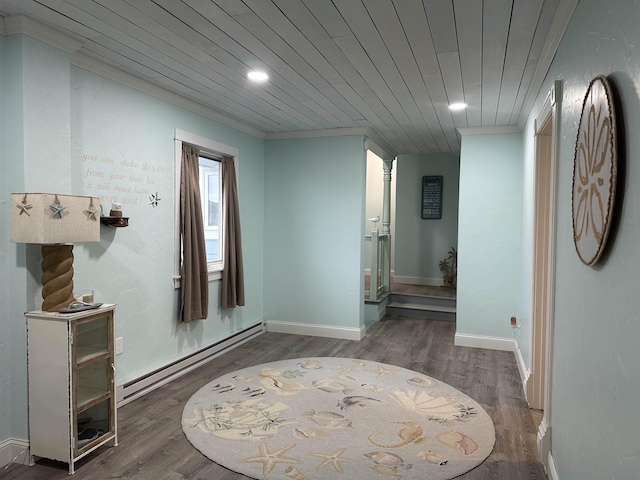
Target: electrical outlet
<point>119,345</point>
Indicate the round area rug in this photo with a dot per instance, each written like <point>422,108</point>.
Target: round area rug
<point>337,418</point>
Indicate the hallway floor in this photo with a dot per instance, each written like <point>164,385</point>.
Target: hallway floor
<point>153,446</point>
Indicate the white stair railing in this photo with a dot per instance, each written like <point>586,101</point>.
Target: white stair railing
<point>379,278</point>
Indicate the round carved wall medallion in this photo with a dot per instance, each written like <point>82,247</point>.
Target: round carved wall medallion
<point>594,172</point>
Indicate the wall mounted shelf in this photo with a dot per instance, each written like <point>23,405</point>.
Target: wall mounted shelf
<point>115,221</point>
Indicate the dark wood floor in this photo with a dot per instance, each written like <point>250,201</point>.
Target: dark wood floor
<point>152,445</point>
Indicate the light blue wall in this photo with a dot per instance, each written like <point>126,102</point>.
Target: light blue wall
<point>37,86</point>
<point>420,244</point>
<point>523,313</point>
<point>133,266</point>
<point>489,234</point>
<point>314,230</point>
<point>46,106</point>
<point>60,113</point>
<point>596,379</point>
<point>5,313</point>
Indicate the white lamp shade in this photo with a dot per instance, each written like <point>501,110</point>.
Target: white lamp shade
<point>50,218</point>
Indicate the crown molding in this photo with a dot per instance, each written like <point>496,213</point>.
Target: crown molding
<point>489,130</point>
<point>372,145</point>
<point>96,66</point>
<point>373,142</point>
<point>556,32</point>
<point>378,145</point>
<point>19,24</point>
<point>329,132</point>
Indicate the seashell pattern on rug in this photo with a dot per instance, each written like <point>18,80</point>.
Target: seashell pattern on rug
<point>336,418</point>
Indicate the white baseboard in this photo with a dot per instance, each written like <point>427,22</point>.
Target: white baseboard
<point>134,389</point>
<point>328,331</point>
<point>522,368</point>
<point>14,450</point>
<point>544,441</point>
<point>434,282</point>
<point>551,469</point>
<point>491,343</point>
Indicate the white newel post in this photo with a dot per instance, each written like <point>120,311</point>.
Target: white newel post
<point>387,165</point>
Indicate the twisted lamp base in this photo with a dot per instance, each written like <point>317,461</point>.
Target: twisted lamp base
<point>57,277</point>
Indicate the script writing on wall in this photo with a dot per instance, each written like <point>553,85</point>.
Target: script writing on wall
<point>128,182</point>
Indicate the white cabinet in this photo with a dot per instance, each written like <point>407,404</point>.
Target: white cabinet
<point>71,365</point>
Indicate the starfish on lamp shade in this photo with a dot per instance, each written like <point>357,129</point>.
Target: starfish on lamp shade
<point>24,208</point>
<point>91,212</point>
<point>57,208</point>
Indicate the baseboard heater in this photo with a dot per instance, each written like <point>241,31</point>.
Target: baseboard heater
<point>141,386</point>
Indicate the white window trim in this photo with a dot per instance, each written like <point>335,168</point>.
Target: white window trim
<point>216,265</point>
<point>206,146</point>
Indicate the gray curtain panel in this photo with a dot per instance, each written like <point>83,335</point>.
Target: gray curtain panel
<point>233,274</point>
<point>194,280</point>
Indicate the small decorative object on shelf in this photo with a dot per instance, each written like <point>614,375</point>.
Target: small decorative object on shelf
<point>115,218</point>
<point>116,210</point>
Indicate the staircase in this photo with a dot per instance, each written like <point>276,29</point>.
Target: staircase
<point>422,306</point>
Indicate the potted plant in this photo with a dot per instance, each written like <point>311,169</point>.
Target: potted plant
<point>449,269</point>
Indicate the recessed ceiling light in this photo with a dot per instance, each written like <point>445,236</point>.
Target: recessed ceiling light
<point>256,76</point>
<point>457,106</point>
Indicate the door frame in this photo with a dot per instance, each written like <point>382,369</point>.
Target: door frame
<point>539,383</point>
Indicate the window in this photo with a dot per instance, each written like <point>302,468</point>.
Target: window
<point>211,198</point>
<point>210,169</point>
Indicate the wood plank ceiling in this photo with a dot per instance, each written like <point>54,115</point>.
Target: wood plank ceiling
<point>392,67</point>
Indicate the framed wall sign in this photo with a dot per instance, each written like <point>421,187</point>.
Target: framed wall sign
<point>432,197</point>
<point>595,167</point>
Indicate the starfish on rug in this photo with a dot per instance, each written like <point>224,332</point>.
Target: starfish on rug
<point>270,459</point>
<point>333,459</point>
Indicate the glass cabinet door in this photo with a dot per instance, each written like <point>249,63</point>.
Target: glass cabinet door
<point>91,338</point>
<point>93,380</point>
